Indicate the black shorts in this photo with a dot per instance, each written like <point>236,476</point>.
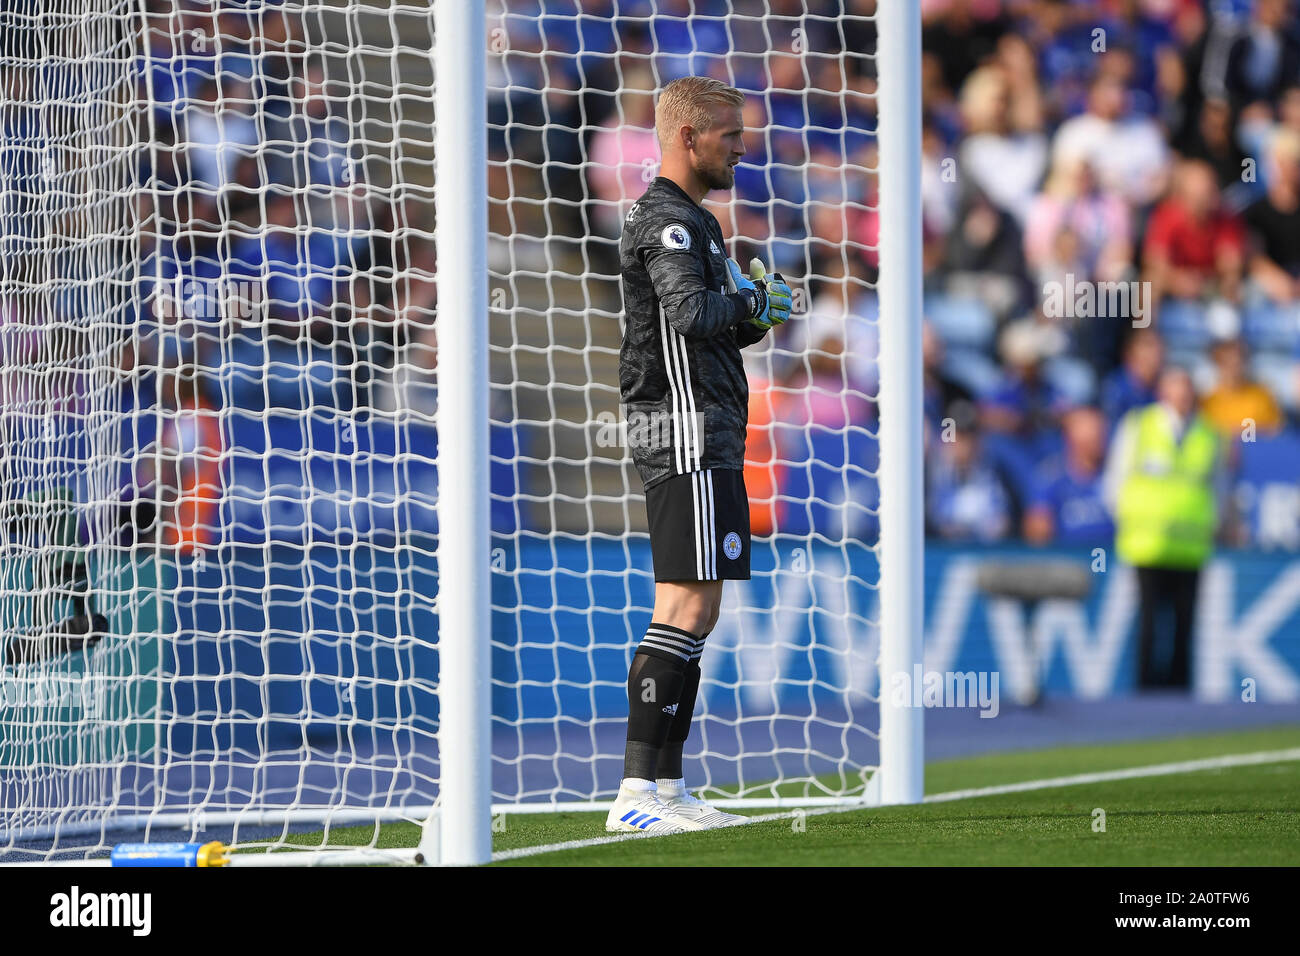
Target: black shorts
<point>699,526</point>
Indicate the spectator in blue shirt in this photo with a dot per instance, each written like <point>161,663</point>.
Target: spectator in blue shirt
<point>1133,384</point>
<point>1021,416</point>
<point>939,390</point>
<point>967,497</point>
<point>1264,58</point>
<point>1067,507</point>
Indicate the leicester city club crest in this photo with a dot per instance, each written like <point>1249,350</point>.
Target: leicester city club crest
<point>731,546</point>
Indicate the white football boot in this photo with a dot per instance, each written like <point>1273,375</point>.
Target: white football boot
<point>639,811</point>
<point>692,812</point>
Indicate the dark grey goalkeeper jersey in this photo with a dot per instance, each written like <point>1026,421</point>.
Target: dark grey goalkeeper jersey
<point>683,385</point>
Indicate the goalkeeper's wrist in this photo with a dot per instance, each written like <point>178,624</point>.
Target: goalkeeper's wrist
<point>741,304</point>
<point>753,302</point>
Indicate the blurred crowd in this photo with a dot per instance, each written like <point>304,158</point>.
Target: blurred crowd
<point>266,275</point>
<point>1111,188</point>
<point>1072,150</point>
<point>270,273</point>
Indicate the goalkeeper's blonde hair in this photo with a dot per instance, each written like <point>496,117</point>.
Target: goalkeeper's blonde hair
<point>687,102</point>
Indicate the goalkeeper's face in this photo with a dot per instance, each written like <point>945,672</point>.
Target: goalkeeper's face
<point>719,148</point>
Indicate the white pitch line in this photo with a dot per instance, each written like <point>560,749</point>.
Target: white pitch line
<point>1105,776</point>
<point>1102,776</point>
<point>623,837</point>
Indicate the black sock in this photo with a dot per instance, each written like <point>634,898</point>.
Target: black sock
<point>670,754</point>
<point>654,684</point>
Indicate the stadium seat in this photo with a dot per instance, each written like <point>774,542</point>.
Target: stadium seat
<point>1266,325</point>
<point>339,475</point>
<point>1183,326</point>
<point>1073,377</point>
<point>973,369</point>
<point>961,322</point>
<point>1278,372</point>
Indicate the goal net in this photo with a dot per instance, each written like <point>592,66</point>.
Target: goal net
<point>788,704</point>
<point>219,600</point>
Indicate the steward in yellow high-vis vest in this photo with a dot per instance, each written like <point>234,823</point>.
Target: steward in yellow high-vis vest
<point>1161,483</point>
<point>1165,510</point>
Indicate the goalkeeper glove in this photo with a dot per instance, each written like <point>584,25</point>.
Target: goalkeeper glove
<point>770,299</point>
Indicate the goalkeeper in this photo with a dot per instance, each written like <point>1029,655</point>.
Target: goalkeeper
<point>689,310</point>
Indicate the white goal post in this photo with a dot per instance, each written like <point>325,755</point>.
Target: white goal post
<point>902,521</point>
<point>464,545</point>
<point>315,505</point>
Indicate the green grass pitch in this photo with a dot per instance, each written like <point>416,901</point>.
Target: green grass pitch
<point>1237,816</point>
